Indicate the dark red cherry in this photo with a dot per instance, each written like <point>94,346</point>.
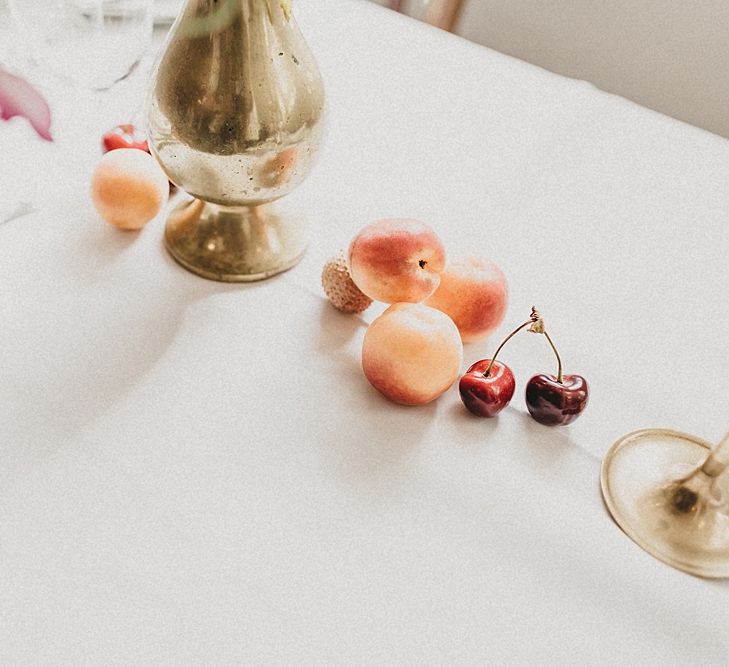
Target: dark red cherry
<point>487,395</point>
<point>556,403</point>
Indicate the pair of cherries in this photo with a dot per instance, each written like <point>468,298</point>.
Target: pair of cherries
<point>488,386</point>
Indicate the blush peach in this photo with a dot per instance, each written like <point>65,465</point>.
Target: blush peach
<point>474,293</point>
<point>397,260</point>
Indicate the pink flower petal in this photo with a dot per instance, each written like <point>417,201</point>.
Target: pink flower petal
<point>19,98</point>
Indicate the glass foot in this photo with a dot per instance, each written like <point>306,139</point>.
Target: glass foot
<point>234,244</point>
<point>662,489</point>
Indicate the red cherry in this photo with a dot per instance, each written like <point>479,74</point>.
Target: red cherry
<point>555,403</point>
<point>487,395</point>
<point>124,136</point>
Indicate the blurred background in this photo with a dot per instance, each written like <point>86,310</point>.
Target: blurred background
<point>668,55</point>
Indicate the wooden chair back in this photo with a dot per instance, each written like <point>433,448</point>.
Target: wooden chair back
<point>440,13</point>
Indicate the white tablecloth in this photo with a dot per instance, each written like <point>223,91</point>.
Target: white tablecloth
<point>198,473</point>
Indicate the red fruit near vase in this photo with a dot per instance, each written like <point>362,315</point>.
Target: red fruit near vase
<point>124,136</point>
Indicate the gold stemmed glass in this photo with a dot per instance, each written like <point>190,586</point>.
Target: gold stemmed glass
<point>664,489</point>
<point>236,120</point>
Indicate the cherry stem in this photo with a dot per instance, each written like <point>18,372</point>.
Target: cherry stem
<point>560,377</point>
<point>504,342</point>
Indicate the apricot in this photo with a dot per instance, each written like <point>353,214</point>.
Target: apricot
<point>412,353</point>
<point>129,188</point>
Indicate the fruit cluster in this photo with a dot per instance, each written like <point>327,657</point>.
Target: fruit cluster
<point>413,352</point>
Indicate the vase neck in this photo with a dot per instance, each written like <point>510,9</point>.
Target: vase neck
<point>232,7</point>
<point>209,17</point>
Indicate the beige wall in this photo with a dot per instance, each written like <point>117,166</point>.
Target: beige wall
<point>670,55</point>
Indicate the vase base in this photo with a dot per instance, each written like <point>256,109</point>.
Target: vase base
<point>234,244</point>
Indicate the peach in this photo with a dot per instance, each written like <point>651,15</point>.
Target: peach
<point>396,260</point>
<point>474,294</point>
<point>128,188</point>
<point>412,353</point>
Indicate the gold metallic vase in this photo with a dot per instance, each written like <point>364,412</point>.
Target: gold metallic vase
<point>236,120</point>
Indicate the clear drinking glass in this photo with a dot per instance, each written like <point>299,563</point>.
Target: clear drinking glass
<point>93,43</point>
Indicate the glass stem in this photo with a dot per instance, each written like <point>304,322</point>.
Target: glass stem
<point>717,462</point>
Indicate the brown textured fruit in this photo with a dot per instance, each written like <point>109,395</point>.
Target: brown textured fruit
<point>340,288</point>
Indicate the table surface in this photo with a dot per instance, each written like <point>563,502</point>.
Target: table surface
<point>198,473</point>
